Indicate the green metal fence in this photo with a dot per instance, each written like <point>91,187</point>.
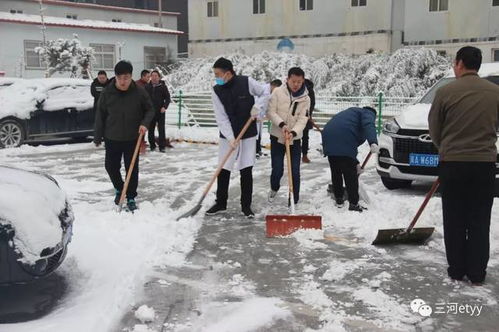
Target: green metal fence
<point>196,109</point>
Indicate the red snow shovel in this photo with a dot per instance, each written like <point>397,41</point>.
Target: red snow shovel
<point>129,173</point>
<point>192,212</point>
<point>409,235</point>
<point>281,225</point>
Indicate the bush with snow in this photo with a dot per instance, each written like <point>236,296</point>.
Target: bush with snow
<point>408,72</point>
<point>63,55</point>
<point>145,314</point>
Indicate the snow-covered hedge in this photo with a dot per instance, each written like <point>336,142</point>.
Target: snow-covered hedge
<point>405,73</point>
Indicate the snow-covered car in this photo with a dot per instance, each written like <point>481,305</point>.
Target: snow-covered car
<point>406,150</point>
<point>8,81</point>
<point>36,224</point>
<point>43,109</point>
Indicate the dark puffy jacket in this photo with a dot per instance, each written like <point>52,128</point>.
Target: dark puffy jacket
<point>120,113</point>
<point>159,94</point>
<point>311,94</point>
<point>348,129</point>
<point>96,89</point>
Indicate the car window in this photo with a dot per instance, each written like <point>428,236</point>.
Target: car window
<point>430,95</point>
<point>68,96</point>
<point>493,79</point>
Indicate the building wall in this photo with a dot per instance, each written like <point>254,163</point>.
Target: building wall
<point>133,43</point>
<point>33,8</point>
<point>335,23</point>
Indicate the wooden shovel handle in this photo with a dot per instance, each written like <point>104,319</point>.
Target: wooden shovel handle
<point>366,160</point>
<point>434,188</point>
<point>315,125</point>
<point>227,156</point>
<point>130,169</point>
<point>290,175</point>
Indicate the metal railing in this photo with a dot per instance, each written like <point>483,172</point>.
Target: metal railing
<point>196,109</point>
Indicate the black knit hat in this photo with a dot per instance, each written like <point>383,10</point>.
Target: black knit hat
<point>224,64</point>
<point>123,67</point>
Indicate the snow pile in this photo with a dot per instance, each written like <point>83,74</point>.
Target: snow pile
<point>22,98</point>
<point>145,314</point>
<point>31,203</point>
<point>405,73</point>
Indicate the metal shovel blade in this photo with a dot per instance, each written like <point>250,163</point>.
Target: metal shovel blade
<point>417,236</point>
<point>282,225</point>
<point>191,213</point>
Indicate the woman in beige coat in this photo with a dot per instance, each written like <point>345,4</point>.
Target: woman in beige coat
<point>288,110</point>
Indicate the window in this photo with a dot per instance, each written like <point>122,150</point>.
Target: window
<point>154,56</point>
<point>16,11</point>
<point>212,8</point>
<point>72,16</point>
<point>258,6</point>
<point>439,5</point>
<point>306,4</point>
<point>104,56</point>
<point>32,59</point>
<point>359,3</point>
<point>495,2</point>
<point>116,19</point>
<point>495,55</point>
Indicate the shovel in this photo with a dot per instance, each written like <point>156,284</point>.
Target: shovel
<point>410,235</point>
<point>281,225</point>
<point>192,212</point>
<point>129,173</point>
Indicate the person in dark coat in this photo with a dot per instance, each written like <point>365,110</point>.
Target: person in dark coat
<point>341,137</point>
<point>97,86</point>
<point>305,140</point>
<point>160,97</point>
<point>124,111</point>
<point>463,123</point>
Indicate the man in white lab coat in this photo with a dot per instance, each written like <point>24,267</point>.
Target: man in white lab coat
<point>235,99</point>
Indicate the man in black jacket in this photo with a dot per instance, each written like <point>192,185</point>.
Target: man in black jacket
<point>124,110</point>
<point>160,97</point>
<point>97,86</point>
<point>304,140</point>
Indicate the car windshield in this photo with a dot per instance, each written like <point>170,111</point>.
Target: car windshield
<point>430,95</point>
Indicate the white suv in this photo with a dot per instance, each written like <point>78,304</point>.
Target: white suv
<point>406,150</point>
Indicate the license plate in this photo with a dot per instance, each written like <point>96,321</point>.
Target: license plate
<point>425,160</point>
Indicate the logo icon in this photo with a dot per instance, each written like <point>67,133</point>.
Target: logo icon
<point>425,138</point>
<point>420,306</point>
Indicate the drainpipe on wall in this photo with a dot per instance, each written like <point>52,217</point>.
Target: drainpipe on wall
<point>160,24</point>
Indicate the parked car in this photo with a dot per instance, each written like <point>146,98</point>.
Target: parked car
<point>43,109</point>
<point>8,81</point>
<point>406,150</point>
<point>36,224</point>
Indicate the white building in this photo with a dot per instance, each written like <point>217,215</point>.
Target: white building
<point>321,27</point>
<point>114,32</point>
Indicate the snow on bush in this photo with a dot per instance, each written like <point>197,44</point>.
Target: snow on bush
<point>64,55</point>
<point>406,73</point>
<point>145,314</point>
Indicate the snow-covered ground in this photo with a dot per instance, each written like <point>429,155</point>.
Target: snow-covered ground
<point>146,272</point>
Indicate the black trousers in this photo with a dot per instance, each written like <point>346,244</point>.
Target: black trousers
<point>467,198</point>
<point>246,187</point>
<point>259,143</point>
<point>159,120</point>
<point>277,155</point>
<point>304,141</point>
<point>115,151</point>
<point>345,168</point>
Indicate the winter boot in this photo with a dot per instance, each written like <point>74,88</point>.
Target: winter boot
<point>216,209</point>
<point>117,196</point>
<point>356,207</point>
<point>248,213</point>
<point>131,205</point>
<point>272,195</point>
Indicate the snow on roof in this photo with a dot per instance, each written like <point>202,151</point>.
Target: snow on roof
<point>486,69</point>
<point>38,226</point>
<point>22,97</point>
<point>85,24</point>
<point>105,7</point>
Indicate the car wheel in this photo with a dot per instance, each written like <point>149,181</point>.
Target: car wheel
<point>392,184</point>
<point>12,133</point>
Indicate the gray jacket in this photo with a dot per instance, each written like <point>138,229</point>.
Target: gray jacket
<point>120,113</point>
